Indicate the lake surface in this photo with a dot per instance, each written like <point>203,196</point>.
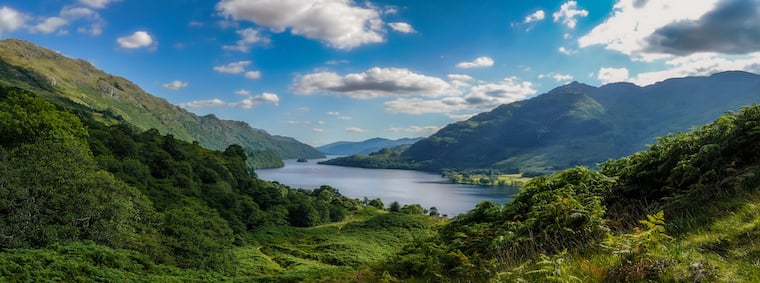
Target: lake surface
<point>404,186</point>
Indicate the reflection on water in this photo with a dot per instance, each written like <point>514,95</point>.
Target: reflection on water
<point>390,185</point>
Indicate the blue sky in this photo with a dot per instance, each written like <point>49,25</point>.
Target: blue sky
<point>329,70</point>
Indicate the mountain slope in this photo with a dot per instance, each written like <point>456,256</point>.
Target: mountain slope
<point>77,84</point>
<point>575,124</point>
<point>363,147</point>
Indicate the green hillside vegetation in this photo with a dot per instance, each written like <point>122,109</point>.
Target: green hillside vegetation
<point>76,84</point>
<point>572,125</point>
<point>82,200</point>
<point>685,210</point>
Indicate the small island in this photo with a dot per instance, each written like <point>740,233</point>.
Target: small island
<point>302,160</point>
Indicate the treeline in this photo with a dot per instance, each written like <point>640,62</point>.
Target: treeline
<point>67,179</point>
<point>615,224</point>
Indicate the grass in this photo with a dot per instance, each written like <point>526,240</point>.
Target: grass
<point>720,244</point>
<point>332,252</point>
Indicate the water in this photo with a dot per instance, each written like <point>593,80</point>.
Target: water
<point>390,185</point>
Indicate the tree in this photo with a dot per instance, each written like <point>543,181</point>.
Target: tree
<point>376,203</point>
<point>395,207</point>
<point>412,209</point>
<point>433,211</point>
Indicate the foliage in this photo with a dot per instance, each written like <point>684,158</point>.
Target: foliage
<point>79,86</point>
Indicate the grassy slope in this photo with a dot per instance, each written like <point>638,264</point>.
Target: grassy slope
<point>334,252</point>
<point>78,85</point>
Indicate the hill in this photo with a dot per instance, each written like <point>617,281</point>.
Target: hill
<point>363,147</point>
<point>575,124</point>
<point>78,85</point>
<point>684,210</point>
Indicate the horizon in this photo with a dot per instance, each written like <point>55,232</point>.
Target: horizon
<point>394,69</point>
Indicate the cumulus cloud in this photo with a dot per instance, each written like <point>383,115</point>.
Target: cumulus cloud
<point>479,62</point>
<point>233,68</point>
<point>339,23</point>
<point>50,25</point>
<point>246,103</point>
<point>11,20</point>
<point>416,129</point>
<point>699,64</point>
<point>612,75</point>
<point>355,130</point>
<point>248,37</point>
<point>535,17</point>
<point>254,75</point>
<point>566,51</point>
<point>568,14</point>
<point>459,77</point>
<point>373,83</point>
<point>732,27</point>
<point>98,4</point>
<point>138,39</point>
<point>175,85</point>
<point>480,97</point>
<point>631,27</point>
<point>401,27</point>
<point>557,77</point>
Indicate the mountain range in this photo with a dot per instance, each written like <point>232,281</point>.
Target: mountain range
<point>78,85</point>
<point>363,147</point>
<point>574,124</point>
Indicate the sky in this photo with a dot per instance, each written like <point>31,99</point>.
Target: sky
<point>342,70</point>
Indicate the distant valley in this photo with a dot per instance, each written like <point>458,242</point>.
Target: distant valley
<point>364,147</point>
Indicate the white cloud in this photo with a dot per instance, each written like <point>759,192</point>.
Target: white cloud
<point>94,20</point>
<point>480,62</point>
<point>247,103</point>
<point>355,130</point>
<point>138,39</point>
<point>401,27</point>
<point>253,75</point>
<point>568,13</point>
<point>632,22</point>
<point>318,130</point>
<point>243,92</point>
<point>566,51</point>
<point>345,118</point>
<point>338,23</point>
<point>612,75</point>
<point>98,4</point>
<point>483,96</point>
<point>701,64</point>
<point>373,83</point>
<point>416,129</point>
<point>336,62</point>
<point>175,85</point>
<point>11,20</point>
<point>248,37</point>
<point>459,77</point>
<point>253,100</point>
<point>557,77</point>
<point>50,25</point>
<point>333,113</point>
<point>233,68</point>
<point>535,17</point>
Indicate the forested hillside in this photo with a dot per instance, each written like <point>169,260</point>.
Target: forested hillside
<point>76,84</point>
<point>684,210</point>
<point>80,199</point>
<point>573,125</point>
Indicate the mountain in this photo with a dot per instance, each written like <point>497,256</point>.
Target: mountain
<point>78,85</point>
<point>577,124</point>
<point>363,147</point>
